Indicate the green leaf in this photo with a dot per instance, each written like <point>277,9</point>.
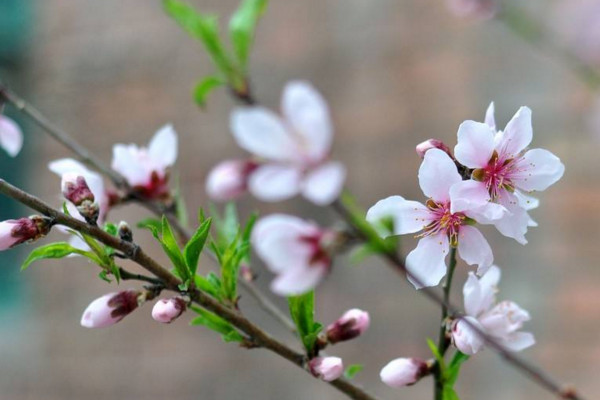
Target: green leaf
<point>57,250</point>
<point>352,370</point>
<point>152,224</point>
<point>437,355</point>
<point>208,286</point>
<point>205,87</point>
<point>454,367</point>
<point>194,246</point>
<point>217,324</point>
<point>242,25</point>
<point>302,310</point>
<point>169,245</point>
<point>448,393</point>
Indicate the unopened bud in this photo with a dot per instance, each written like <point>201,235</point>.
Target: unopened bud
<point>76,190</point>
<point>125,232</point>
<point>403,372</point>
<point>229,179</point>
<point>17,231</point>
<point>326,368</point>
<point>111,308</point>
<point>353,323</point>
<point>429,144</point>
<point>168,310</point>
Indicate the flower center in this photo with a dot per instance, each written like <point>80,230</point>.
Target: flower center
<point>497,175</point>
<point>444,221</point>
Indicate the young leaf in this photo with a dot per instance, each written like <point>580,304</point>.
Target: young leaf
<point>437,355</point>
<point>205,87</point>
<point>57,250</point>
<point>194,246</point>
<point>352,370</point>
<point>242,25</point>
<point>152,224</point>
<point>208,286</point>
<point>454,367</point>
<point>302,310</point>
<point>217,324</point>
<point>169,245</point>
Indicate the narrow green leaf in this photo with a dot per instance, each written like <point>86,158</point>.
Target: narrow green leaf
<point>437,355</point>
<point>302,310</point>
<point>56,250</point>
<point>194,246</point>
<point>205,87</point>
<point>242,25</point>
<point>448,393</point>
<point>169,244</point>
<point>207,286</point>
<point>217,324</point>
<point>454,367</point>
<point>352,370</point>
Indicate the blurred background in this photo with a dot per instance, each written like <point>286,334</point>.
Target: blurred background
<point>395,72</point>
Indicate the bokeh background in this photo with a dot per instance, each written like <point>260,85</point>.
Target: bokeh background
<point>395,72</point>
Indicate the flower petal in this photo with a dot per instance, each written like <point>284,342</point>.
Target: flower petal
<point>11,137</point>
<point>490,120</point>
<point>408,216</point>
<point>537,170</point>
<point>465,338</point>
<point>472,296</point>
<point>516,136</point>
<point>527,202</point>
<point>261,132</point>
<point>467,195</point>
<point>275,182</point>
<point>474,249</point>
<point>163,147</point>
<point>324,184</point>
<point>308,114</point>
<point>518,341</point>
<point>426,262</point>
<point>437,174</point>
<point>475,144</point>
<point>515,223</point>
<point>297,281</point>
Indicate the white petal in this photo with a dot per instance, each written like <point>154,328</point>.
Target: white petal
<point>324,184</point>
<point>126,161</point>
<point>275,182</point>
<point>516,221</point>
<point>474,249</point>
<point>261,132</point>
<point>308,115</point>
<point>525,201</point>
<point>516,136</point>
<point>408,216</point>
<point>437,174</point>
<point>297,281</point>
<point>518,341</point>
<point>163,147</point>
<point>468,195</point>
<point>11,137</point>
<point>426,263</point>
<point>490,120</point>
<point>66,165</point>
<point>537,170</point>
<point>480,294</point>
<point>465,338</point>
<point>475,144</point>
<point>472,296</point>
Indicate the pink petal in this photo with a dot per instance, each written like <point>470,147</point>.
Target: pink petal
<point>474,249</point>
<point>472,296</point>
<point>465,338</point>
<point>11,137</point>
<point>308,114</point>
<point>490,120</point>
<point>261,132</point>
<point>324,184</point>
<point>516,222</point>
<point>475,144</point>
<point>275,182</point>
<point>296,281</point>
<point>408,216</point>
<point>537,170</point>
<point>516,136</point>
<point>437,174</point>
<point>468,195</point>
<point>427,261</point>
<point>163,147</point>
<point>518,341</point>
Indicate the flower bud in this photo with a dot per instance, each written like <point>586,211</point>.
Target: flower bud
<point>125,232</point>
<point>111,308</point>
<point>168,310</point>
<point>228,180</point>
<point>431,144</point>
<point>353,323</point>
<point>76,190</point>
<point>17,231</point>
<point>326,368</point>
<point>403,372</point>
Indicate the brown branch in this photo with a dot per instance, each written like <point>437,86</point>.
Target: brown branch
<point>171,282</point>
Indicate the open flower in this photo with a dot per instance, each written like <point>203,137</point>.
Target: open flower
<point>295,250</point>
<point>295,149</point>
<point>11,137</point>
<point>501,321</point>
<point>503,171</point>
<point>229,179</point>
<point>146,169</point>
<point>440,225</point>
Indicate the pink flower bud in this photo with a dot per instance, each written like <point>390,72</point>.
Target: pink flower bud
<point>17,231</point>
<point>111,308</point>
<point>326,368</point>
<point>403,372</point>
<point>168,310</point>
<point>75,189</point>
<point>353,323</point>
<point>431,144</point>
<point>229,179</point>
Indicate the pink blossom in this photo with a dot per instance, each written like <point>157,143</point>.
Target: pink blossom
<point>441,226</point>
<point>480,9</point>
<point>168,310</point>
<point>503,172</point>
<point>146,169</point>
<point>110,309</point>
<point>17,231</point>
<point>353,323</point>
<point>295,149</point>
<point>11,137</point>
<point>326,368</point>
<point>501,321</point>
<point>403,372</point>
<point>295,250</point>
<point>229,179</point>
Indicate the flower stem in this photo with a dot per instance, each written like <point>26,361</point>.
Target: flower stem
<point>444,341</point>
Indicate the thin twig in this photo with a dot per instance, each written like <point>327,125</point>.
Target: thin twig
<point>126,275</point>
